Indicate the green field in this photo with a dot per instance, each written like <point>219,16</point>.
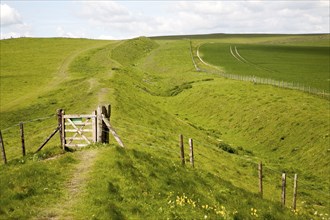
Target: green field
<point>305,64</point>
<point>156,94</point>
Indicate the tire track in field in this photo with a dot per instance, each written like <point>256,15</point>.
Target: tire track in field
<point>240,58</point>
<point>234,55</point>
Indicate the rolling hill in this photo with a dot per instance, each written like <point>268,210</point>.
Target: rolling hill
<point>157,94</point>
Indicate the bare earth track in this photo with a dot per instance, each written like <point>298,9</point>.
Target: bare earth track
<point>74,186</point>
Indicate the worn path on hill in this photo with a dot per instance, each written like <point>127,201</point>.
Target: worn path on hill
<point>74,187</point>
<point>59,77</point>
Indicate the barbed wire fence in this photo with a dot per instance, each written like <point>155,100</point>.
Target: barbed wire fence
<point>25,136</point>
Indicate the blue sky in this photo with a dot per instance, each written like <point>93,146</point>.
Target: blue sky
<point>127,19</point>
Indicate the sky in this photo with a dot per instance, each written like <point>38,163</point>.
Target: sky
<point>128,19</point>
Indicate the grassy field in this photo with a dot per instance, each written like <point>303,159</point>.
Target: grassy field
<point>156,94</point>
<point>306,64</point>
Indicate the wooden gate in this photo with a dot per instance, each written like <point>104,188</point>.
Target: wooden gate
<point>78,130</point>
<point>82,130</point>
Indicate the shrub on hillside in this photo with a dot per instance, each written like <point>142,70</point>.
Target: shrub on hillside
<point>226,147</point>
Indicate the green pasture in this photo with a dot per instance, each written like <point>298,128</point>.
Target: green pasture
<point>33,67</point>
<point>156,94</point>
<point>306,65</point>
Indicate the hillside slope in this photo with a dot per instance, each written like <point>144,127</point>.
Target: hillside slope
<point>156,94</point>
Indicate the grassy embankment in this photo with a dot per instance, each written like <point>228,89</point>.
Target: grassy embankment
<point>156,94</point>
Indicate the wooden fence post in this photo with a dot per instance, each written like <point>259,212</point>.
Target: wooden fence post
<point>3,149</point>
<point>182,149</point>
<point>59,122</point>
<point>191,144</point>
<point>109,115</point>
<point>63,141</point>
<point>295,185</point>
<point>105,129</point>
<point>260,179</point>
<point>283,189</point>
<point>21,126</point>
<point>99,126</point>
<point>94,126</point>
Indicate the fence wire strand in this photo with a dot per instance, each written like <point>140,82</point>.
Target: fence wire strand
<point>29,121</point>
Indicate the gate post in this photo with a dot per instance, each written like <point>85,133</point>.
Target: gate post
<point>59,121</point>
<point>94,126</point>
<point>63,141</point>
<point>105,130</point>
<point>99,123</point>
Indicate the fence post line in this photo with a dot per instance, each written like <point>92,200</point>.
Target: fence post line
<point>21,127</point>
<point>191,144</point>
<point>260,179</point>
<point>3,149</point>
<point>283,189</point>
<point>182,149</point>
<point>59,122</point>
<point>295,186</point>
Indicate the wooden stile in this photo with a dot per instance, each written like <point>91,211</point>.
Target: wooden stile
<point>3,149</point>
<point>21,126</point>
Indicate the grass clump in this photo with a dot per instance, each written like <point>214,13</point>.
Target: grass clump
<point>226,147</point>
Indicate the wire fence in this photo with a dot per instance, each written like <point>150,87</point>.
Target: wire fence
<point>233,163</point>
<point>257,80</point>
<point>27,135</point>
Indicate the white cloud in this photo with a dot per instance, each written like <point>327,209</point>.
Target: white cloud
<point>106,37</point>
<point>123,20</point>
<point>15,31</point>
<point>12,25</point>
<point>9,15</point>
<point>105,12</point>
<point>252,16</point>
<point>63,33</point>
